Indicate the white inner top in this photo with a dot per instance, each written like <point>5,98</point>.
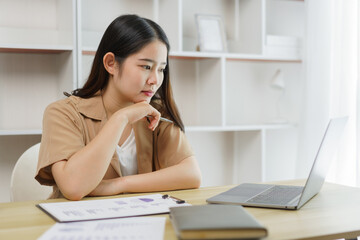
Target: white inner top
<point>127,155</point>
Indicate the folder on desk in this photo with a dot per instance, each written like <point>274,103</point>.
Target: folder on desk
<point>215,221</point>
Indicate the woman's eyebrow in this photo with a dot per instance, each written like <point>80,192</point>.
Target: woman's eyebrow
<point>152,61</point>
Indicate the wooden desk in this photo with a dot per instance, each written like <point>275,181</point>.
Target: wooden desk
<point>333,213</point>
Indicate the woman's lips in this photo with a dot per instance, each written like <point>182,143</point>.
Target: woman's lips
<point>148,93</point>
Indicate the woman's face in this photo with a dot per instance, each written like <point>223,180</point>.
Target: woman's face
<point>142,73</point>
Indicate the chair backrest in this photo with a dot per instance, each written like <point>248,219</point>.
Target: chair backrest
<point>23,185</point>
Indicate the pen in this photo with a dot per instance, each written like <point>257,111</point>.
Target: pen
<point>163,119</point>
<point>177,200</point>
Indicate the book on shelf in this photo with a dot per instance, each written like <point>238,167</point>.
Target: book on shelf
<point>215,221</point>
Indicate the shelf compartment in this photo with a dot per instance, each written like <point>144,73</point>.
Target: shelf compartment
<point>196,85</point>
<point>253,86</point>
<point>209,7</point>
<point>37,22</point>
<point>248,156</point>
<point>284,28</point>
<point>236,15</point>
<point>214,152</point>
<point>92,28</point>
<point>285,18</point>
<point>236,157</point>
<point>31,82</point>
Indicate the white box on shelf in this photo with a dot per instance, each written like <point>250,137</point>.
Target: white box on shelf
<point>280,51</point>
<point>284,46</point>
<point>288,41</point>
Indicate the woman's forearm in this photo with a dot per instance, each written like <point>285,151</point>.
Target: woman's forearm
<point>184,175</point>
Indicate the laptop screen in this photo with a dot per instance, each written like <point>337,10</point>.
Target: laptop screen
<point>325,154</point>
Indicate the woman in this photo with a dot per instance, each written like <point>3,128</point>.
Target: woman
<point>107,138</point>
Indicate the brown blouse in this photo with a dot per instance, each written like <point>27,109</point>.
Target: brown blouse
<point>71,123</point>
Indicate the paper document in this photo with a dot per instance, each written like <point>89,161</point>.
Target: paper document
<point>110,208</point>
<point>137,228</point>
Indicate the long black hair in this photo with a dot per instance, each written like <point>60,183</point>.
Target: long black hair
<point>125,36</point>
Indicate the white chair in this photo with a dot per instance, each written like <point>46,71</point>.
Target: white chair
<point>23,186</point>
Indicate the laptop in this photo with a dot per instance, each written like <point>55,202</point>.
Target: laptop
<point>283,196</point>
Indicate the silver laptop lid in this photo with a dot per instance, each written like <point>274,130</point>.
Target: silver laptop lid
<point>325,154</point>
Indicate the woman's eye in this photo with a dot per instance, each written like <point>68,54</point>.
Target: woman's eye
<point>147,67</point>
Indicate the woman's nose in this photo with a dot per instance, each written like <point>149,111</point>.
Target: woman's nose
<point>153,78</point>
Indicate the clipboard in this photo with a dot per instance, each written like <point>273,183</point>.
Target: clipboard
<point>86,210</point>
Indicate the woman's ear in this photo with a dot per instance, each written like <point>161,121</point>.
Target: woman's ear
<point>109,62</point>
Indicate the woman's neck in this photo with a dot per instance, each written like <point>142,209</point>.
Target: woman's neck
<point>112,102</point>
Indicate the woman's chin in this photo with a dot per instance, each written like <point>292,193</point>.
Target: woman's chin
<point>143,100</point>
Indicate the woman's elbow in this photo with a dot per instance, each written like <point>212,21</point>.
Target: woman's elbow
<point>73,197</point>
<point>194,174</point>
<point>72,192</point>
<point>194,178</point>
<point>197,180</point>
<point>70,187</point>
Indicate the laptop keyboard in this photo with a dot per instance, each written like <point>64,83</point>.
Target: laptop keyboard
<point>280,195</point>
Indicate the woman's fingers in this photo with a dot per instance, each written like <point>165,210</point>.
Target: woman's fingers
<point>141,110</point>
<point>153,115</point>
<point>154,121</point>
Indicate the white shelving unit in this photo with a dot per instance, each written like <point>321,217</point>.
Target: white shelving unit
<point>225,98</point>
<point>37,63</point>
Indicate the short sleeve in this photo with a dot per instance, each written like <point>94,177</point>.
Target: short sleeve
<point>172,146</point>
<point>62,137</point>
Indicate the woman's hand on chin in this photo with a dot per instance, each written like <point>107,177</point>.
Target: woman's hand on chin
<point>139,111</point>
